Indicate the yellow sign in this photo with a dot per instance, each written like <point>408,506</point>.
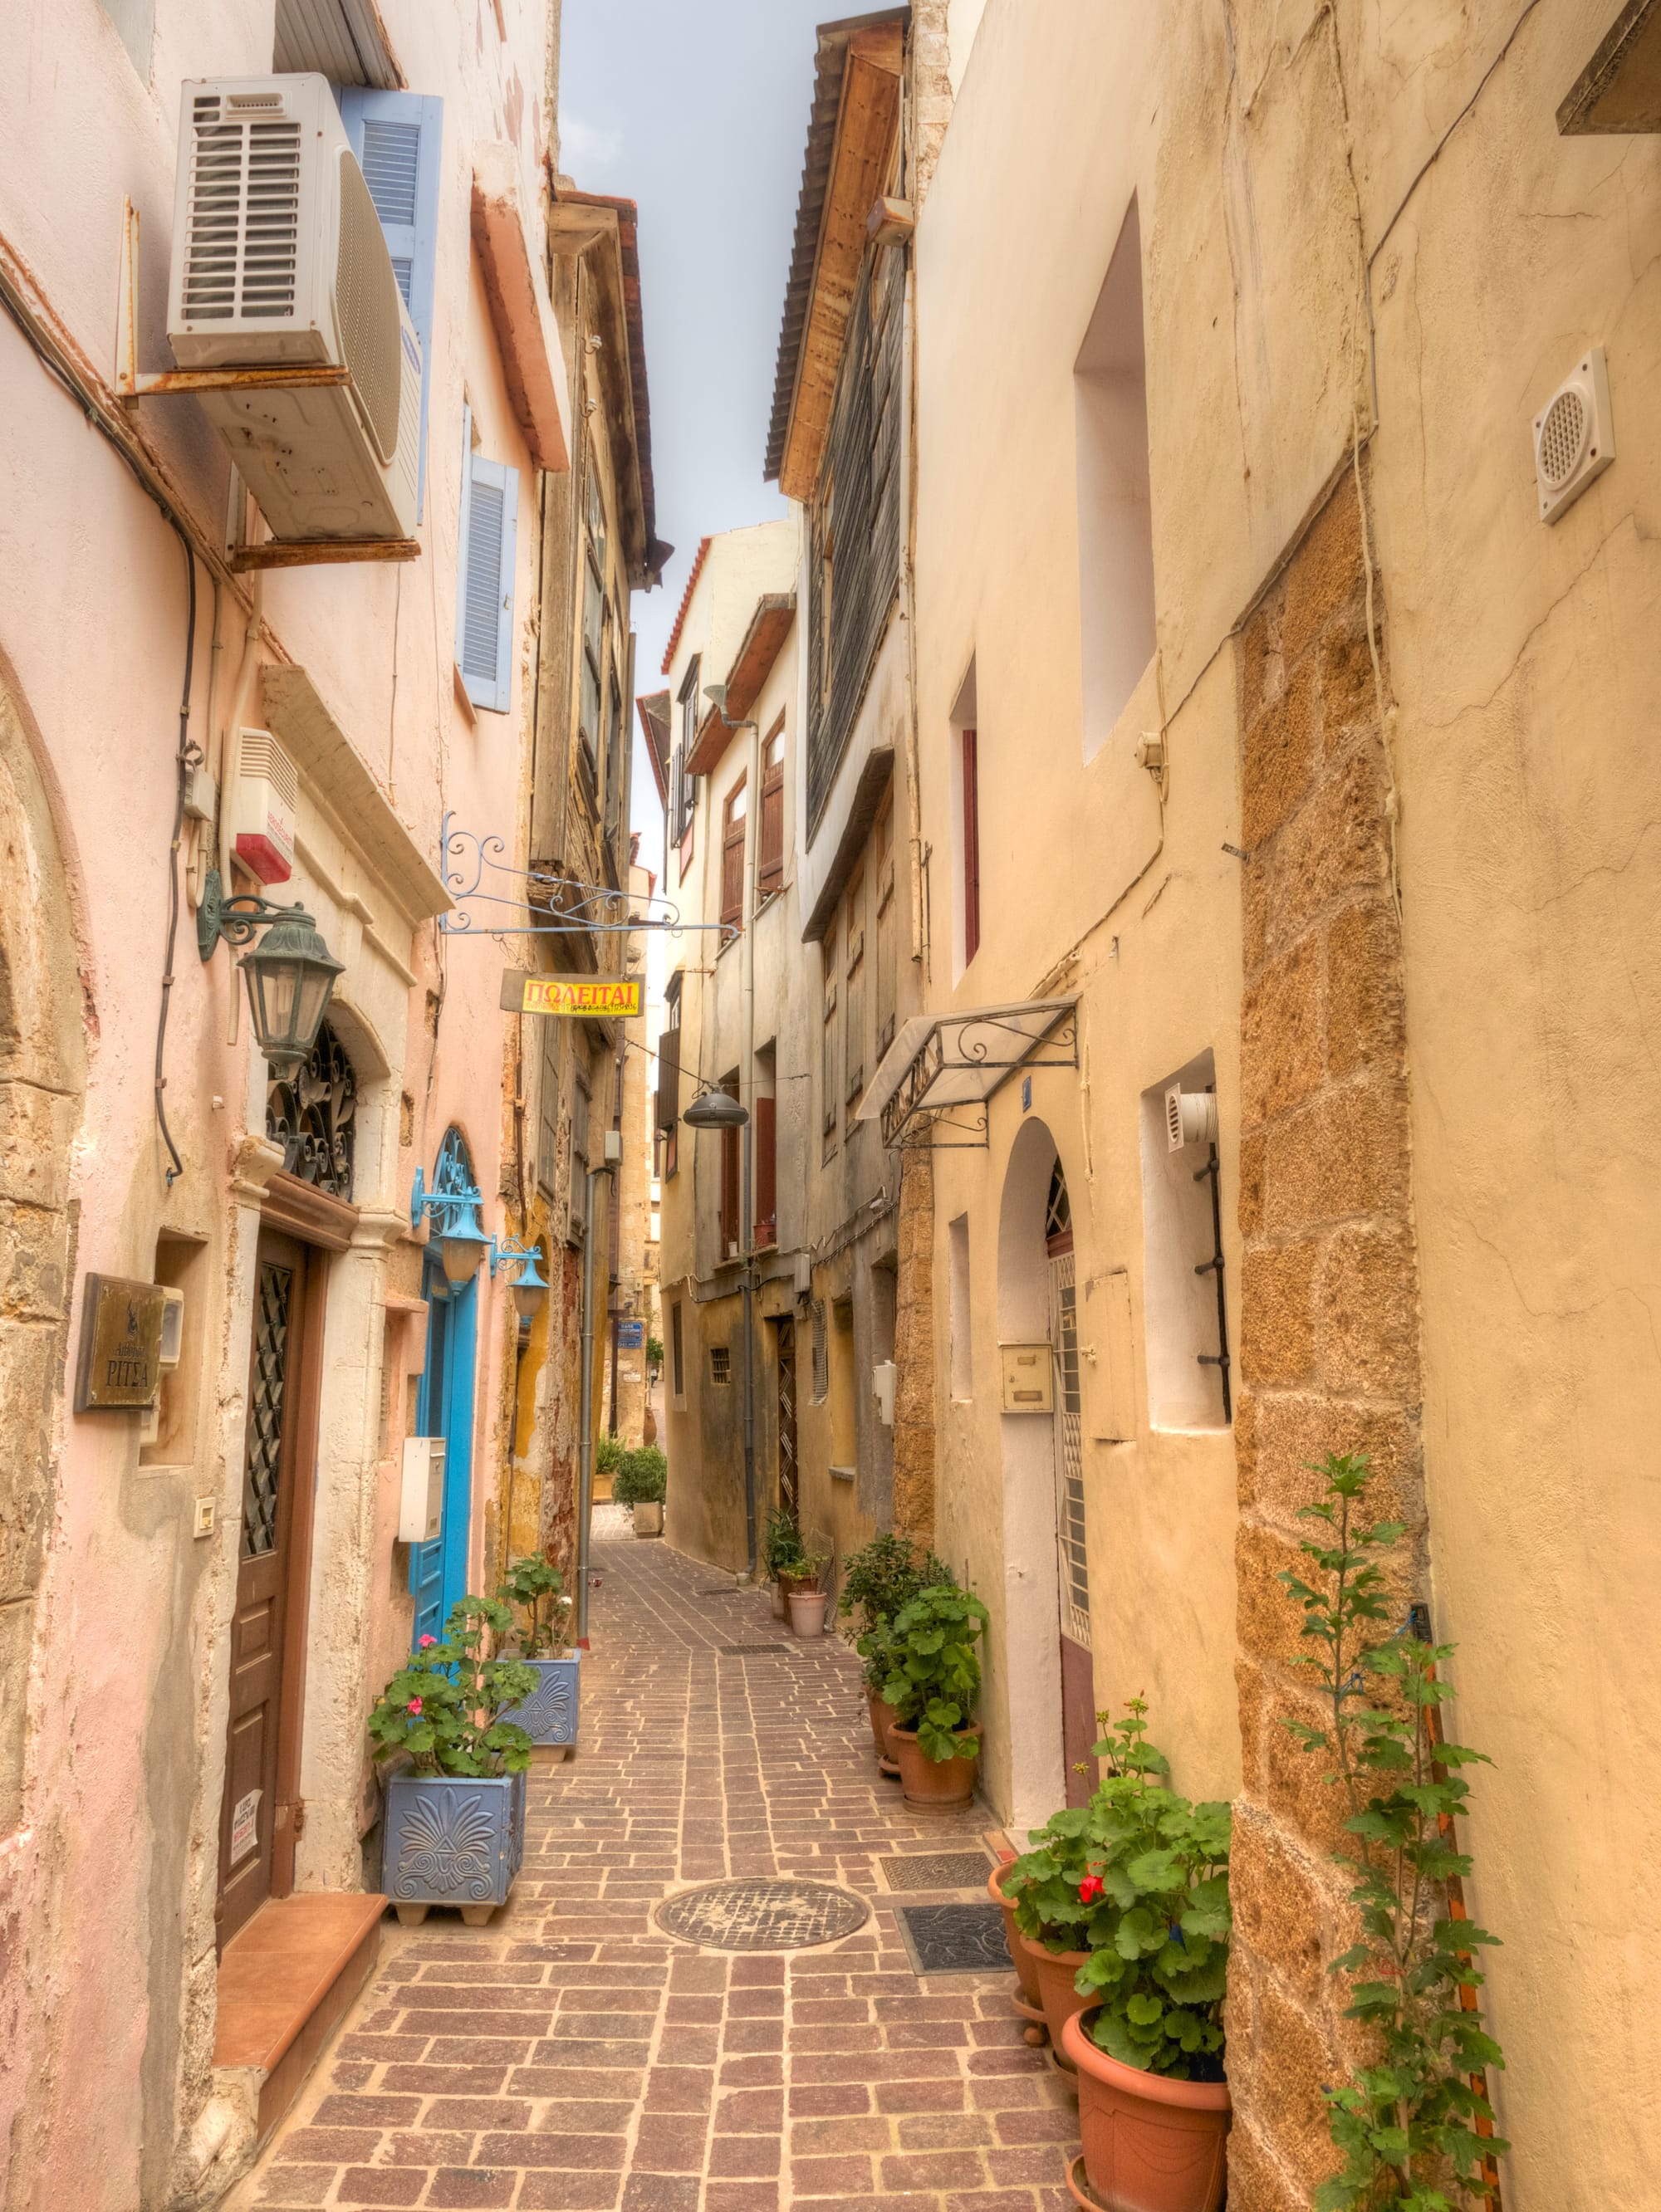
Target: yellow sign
<point>590,998</point>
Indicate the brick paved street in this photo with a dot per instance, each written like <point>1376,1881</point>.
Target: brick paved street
<point>569,2056</point>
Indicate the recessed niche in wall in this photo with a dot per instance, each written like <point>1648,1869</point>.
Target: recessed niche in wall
<point>181,1262</point>
<point>1186,1387</point>
<point>1115,514</point>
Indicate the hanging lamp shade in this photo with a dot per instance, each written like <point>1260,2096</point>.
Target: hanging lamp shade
<point>531,1287</point>
<point>462,1242</point>
<point>290,975</point>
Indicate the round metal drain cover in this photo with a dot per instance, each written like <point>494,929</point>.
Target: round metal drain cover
<point>757,1914</point>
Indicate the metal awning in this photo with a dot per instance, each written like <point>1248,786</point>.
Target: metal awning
<point>948,1067</point>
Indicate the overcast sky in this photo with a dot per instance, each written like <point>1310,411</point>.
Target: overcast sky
<point>698,110</point>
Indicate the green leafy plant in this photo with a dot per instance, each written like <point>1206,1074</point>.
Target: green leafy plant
<point>444,1705</point>
<point>653,1357</point>
<point>935,1677</point>
<point>875,1646</point>
<point>529,1581</point>
<point>608,1453</point>
<point>1046,1884</point>
<point>1414,2121</point>
<point>884,1575</point>
<point>803,1571</point>
<point>781,1544</point>
<point>642,1477</point>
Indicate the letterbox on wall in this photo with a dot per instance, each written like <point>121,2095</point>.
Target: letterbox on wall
<point>1028,1378</point>
<point>421,1508</point>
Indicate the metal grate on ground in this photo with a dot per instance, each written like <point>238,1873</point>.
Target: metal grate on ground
<point>953,1939</point>
<point>936,1870</point>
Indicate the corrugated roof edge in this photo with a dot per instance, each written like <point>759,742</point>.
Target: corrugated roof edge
<point>830,59</point>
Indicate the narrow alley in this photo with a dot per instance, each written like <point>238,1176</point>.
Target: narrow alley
<point>570,2055</point>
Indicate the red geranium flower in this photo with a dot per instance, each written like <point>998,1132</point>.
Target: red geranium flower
<point>1090,1889</point>
<point>414,1707</point>
<point>427,1641</point>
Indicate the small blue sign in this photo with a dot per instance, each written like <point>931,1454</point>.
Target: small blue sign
<point>631,1334</point>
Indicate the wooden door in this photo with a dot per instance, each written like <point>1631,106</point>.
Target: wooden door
<point>787,1481</point>
<point>438,1571</point>
<point>257,1824</point>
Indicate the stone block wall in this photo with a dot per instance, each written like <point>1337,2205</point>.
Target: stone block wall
<point>1329,1313</point>
<point>914,1349</point>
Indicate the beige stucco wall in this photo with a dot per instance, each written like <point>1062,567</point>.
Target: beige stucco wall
<point>1261,148</point>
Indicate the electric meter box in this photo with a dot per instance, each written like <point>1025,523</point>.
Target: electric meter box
<point>421,1509</point>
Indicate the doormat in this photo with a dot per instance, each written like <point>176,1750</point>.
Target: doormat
<point>954,1939</point>
<point>762,1913</point>
<point>937,1870</point>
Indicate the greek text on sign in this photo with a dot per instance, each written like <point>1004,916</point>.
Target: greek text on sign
<point>586,998</point>
<point>245,1828</point>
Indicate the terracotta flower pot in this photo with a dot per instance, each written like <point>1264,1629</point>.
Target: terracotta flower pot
<point>938,1781</point>
<point>779,1607</point>
<point>883,1719</point>
<point>1150,2144</point>
<point>793,1584</point>
<point>1025,1973</point>
<point>1061,2002</point>
<point>807,1613</point>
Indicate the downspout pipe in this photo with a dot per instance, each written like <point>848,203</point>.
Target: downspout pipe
<point>586,1407</point>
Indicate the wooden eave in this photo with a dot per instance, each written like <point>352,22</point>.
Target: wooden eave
<point>751,666</point>
<point>868,120</point>
<point>1619,91</point>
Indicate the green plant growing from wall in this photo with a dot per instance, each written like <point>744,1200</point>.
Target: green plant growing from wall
<point>1414,2121</point>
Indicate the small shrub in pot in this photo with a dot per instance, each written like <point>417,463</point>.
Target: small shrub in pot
<point>549,1714</point>
<point>933,1685</point>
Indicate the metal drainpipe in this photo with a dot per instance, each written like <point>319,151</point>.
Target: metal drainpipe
<point>586,1407</point>
<point>747,1098</point>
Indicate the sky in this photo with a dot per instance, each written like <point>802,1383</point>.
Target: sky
<point>697,110</point>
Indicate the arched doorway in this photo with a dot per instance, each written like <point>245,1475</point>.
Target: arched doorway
<point>438,1571</point>
<point>1047,1628</point>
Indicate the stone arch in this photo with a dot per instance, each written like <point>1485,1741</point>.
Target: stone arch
<point>1032,1648</point>
<point>42,1085</point>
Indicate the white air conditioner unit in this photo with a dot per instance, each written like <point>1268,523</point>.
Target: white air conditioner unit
<point>278,257</point>
<point>421,1501</point>
<point>1190,1117</point>
<point>263,796</point>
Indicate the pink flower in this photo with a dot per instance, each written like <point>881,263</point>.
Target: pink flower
<point>1090,1889</point>
<point>427,1641</point>
<point>414,1706</point>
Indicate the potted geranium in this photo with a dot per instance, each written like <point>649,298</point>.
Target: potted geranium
<point>549,1714</point>
<point>803,1596</point>
<point>878,1580</point>
<point>933,1685</point>
<point>642,1481</point>
<point>781,1552</point>
<point>454,1824</point>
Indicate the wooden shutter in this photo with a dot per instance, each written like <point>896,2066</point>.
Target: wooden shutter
<point>485,589</point>
<point>771,860</point>
<point>766,1163</point>
<point>731,1233</point>
<point>669,1078</point>
<point>971,846</point>
<point>398,137</point>
<point>731,857</point>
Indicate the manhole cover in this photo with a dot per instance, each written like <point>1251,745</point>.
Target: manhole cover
<point>760,1915</point>
<point>937,1870</point>
<point>954,1939</point>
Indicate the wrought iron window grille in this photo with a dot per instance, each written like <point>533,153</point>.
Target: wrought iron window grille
<point>312,1115</point>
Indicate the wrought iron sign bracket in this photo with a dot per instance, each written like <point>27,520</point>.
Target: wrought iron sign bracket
<point>466,859</point>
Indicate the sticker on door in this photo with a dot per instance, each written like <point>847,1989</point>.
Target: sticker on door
<point>245,1826</point>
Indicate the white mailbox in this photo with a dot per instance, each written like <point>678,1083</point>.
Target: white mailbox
<point>421,1509</point>
<point>884,1375</point>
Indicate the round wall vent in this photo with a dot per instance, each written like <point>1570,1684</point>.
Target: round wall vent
<point>1574,436</point>
<point>1562,438</point>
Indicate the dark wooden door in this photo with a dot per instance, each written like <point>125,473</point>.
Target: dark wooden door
<point>256,1818</point>
<point>786,1351</point>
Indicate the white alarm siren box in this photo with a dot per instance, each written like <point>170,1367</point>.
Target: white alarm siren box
<point>263,799</point>
<point>421,1509</point>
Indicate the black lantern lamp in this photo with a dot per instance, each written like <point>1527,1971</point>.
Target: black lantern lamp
<point>289,973</point>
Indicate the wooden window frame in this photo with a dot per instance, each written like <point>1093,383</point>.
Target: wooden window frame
<point>769,859</point>
<point>734,834</point>
<point>971,844</point>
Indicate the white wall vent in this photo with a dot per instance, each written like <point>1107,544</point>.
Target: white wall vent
<point>1574,436</point>
<point>279,257</point>
<point>1190,1117</point>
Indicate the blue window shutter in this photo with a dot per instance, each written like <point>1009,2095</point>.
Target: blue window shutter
<point>485,600</point>
<point>398,137</point>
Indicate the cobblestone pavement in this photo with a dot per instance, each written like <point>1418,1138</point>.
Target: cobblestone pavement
<point>570,2055</point>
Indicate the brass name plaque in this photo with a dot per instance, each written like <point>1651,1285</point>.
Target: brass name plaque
<point>120,1346</point>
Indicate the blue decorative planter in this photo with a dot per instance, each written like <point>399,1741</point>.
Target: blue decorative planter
<point>550,1714</point>
<point>452,1839</point>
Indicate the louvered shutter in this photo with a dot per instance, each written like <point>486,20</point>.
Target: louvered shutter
<point>771,861</point>
<point>669,1079</point>
<point>766,1172</point>
<point>485,589</point>
<point>398,137</point>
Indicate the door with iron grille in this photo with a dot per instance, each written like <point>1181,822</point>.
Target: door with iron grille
<point>788,1464</point>
<point>256,1830</point>
<point>1073,1562</point>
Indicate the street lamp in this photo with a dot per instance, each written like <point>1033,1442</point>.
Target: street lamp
<point>718,1109</point>
<point>462,1242</point>
<point>530,1284</point>
<point>290,974</point>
